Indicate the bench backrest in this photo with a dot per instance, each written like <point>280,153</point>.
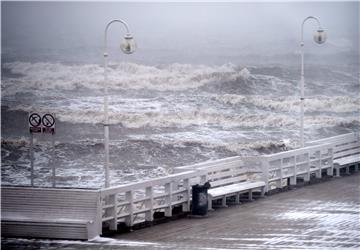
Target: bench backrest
<point>343,145</point>
<point>49,203</point>
<point>225,173</point>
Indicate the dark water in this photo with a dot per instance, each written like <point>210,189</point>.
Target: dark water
<point>163,116</point>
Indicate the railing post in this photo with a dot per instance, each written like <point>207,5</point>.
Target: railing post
<point>307,176</point>
<point>113,211</point>
<point>330,170</point>
<point>318,173</point>
<point>186,206</point>
<point>168,199</point>
<point>149,203</point>
<point>265,170</point>
<point>129,220</point>
<point>99,212</point>
<point>293,178</point>
<point>279,183</point>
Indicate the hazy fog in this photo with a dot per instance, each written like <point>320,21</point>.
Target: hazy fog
<point>174,32</point>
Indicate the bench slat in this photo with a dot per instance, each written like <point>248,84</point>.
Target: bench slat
<point>234,188</point>
<point>346,146</point>
<point>228,181</point>
<point>46,212</point>
<point>347,160</point>
<point>226,165</point>
<point>354,151</point>
<point>227,173</point>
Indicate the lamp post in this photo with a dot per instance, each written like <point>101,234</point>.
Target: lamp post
<point>320,38</point>
<point>128,47</point>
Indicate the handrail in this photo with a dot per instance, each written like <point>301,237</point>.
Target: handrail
<point>146,183</point>
<point>334,138</point>
<point>163,193</point>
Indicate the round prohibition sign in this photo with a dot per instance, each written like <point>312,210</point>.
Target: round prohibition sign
<point>35,120</point>
<point>48,120</point>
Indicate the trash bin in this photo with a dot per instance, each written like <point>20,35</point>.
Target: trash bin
<point>200,199</point>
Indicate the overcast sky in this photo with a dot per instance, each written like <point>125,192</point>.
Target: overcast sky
<point>213,28</point>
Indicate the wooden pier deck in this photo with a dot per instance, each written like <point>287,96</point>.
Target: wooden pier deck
<point>325,215</point>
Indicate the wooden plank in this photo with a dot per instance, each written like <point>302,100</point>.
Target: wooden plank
<point>347,160</point>
<point>209,164</point>
<point>41,208</point>
<point>228,181</point>
<point>347,146</point>
<point>234,188</point>
<point>227,173</point>
<point>228,165</point>
<point>354,151</point>
<point>141,185</point>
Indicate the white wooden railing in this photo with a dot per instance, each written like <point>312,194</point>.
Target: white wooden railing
<point>278,168</point>
<point>137,202</point>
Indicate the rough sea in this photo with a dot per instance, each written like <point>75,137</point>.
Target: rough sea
<point>163,115</point>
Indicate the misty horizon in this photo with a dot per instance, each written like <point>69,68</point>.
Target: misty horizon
<point>190,32</point>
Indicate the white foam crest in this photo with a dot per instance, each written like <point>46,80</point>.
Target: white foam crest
<point>339,104</point>
<point>164,117</point>
<point>158,115</point>
<point>55,76</point>
<point>233,141</point>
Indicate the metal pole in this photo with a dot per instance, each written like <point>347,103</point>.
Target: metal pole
<point>32,159</point>
<point>106,103</point>
<point>106,123</point>
<point>302,95</point>
<point>52,160</point>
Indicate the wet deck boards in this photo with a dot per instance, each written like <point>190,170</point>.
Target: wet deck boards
<point>319,215</point>
<point>323,215</point>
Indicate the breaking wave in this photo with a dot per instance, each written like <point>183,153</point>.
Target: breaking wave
<point>175,77</point>
<point>339,104</point>
<point>225,111</point>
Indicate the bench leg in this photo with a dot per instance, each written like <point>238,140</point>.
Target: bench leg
<point>223,202</point>
<point>293,181</point>
<point>237,199</point>
<point>348,170</point>
<point>330,172</point>
<point>337,170</point>
<point>318,174</point>
<point>262,191</point>
<point>250,195</point>
<point>210,204</point>
<point>307,177</point>
<point>357,167</point>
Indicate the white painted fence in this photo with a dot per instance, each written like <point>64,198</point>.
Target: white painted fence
<point>278,168</point>
<point>137,202</point>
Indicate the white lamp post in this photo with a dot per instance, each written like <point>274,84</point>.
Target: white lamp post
<point>128,47</point>
<point>319,37</point>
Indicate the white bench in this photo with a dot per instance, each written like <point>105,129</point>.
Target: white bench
<point>50,213</point>
<point>229,179</point>
<point>346,151</point>
<point>236,189</point>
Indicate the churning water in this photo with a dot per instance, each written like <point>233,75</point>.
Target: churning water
<point>163,116</point>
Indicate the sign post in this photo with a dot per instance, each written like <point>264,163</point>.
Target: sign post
<point>32,159</point>
<point>42,124</point>
<point>34,127</point>
<point>48,122</point>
